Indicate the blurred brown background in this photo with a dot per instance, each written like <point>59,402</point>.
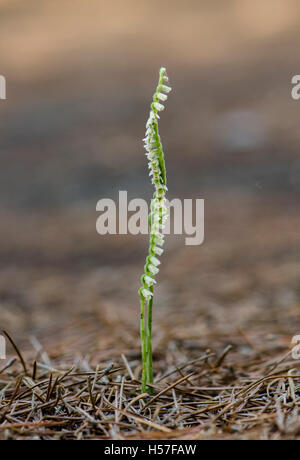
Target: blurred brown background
<point>80,76</point>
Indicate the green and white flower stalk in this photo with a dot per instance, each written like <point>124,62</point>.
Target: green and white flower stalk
<point>157,219</point>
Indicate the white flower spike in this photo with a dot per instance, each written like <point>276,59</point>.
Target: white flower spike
<point>157,219</point>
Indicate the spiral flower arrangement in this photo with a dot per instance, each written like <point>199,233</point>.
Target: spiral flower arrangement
<point>157,219</point>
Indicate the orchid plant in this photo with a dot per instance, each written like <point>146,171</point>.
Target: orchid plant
<point>157,219</point>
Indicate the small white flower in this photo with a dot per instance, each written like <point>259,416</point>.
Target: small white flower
<point>158,251</point>
<point>159,106</point>
<point>151,118</point>
<point>159,239</point>
<point>162,97</point>
<point>152,269</point>
<point>162,190</point>
<point>155,220</point>
<point>151,155</point>
<point>155,228</point>
<point>149,281</point>
<point>166,88</point>
<point>155,162</point>
<point>147,294</point>
<point>155,214</point>
<point>157,205</point>
<point>154,261</point>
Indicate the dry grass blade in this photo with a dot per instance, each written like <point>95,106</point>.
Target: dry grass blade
<point>16,349</point>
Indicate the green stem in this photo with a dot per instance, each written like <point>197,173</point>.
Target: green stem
<point>143,344</point>
<point>149,346</point>
<point>160,155</point>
